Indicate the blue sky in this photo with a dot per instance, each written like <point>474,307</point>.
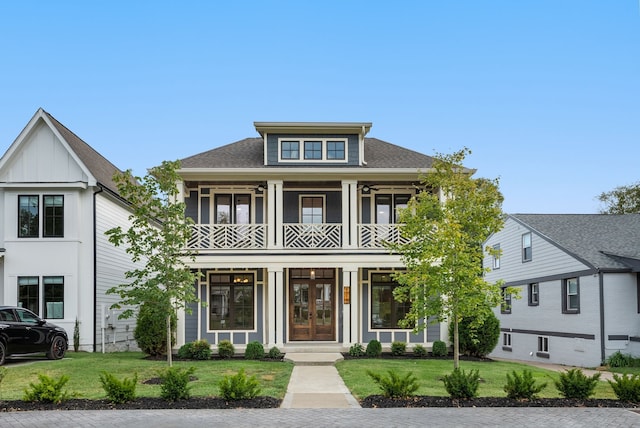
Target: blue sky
<point>546,94</point>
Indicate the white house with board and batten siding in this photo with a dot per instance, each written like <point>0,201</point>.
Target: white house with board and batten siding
<point>57,199</point>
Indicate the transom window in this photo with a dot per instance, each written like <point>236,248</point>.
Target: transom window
<point>231,301</point>
<point>313,149</point>
<point>386,312</point>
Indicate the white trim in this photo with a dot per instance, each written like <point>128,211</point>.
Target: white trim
<point>324,206</point>
<point>208,329</point>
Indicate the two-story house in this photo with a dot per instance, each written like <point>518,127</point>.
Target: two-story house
<point>579,284</point>
<point>289,229</point>
<point>57,198</point>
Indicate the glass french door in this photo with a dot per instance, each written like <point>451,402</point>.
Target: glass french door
<point>312,304</point>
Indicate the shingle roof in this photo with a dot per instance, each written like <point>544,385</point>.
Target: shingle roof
<point>101,168</point>
<point>606,241</point>
<point>248,153</point>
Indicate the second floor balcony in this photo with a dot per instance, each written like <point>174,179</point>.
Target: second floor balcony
<point>301,236</point>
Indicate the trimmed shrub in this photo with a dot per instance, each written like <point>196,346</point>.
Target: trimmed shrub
<point>374,349</point>
<point>118,391</point>
<point>477,339</point>
<point>419,351</point>
<point>575,384</point>
<point>522,387</point>
<point>254,351</point>
<point>626,387</point>
<point>398,348</point>
<point>76,336</point>
<point>151,327</point>
<point>395,386</point>
<point>48,390</point>
<point>274,353</point>
<point>226,349</point>
<point>174,384</point>
<point>239,387</point>
<point>356,350</point>
<point>618,359</point>
<point>197,350</point>
<point>439,349</point>
<point>461,385</point>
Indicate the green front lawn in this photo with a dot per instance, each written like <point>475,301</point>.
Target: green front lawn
<point>429,372</point>
<point>84,371</point>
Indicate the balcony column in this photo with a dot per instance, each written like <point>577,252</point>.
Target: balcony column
<point>274,214</point>
<point>349,213</point>
<point>350,310</point>
<point>276,307</point>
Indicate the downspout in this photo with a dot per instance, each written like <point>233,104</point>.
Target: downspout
<point>602,330</point>
<point>95,266</point>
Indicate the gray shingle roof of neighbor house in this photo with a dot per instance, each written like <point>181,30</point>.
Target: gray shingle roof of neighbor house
<point>101,168</point>
<point>606,241</point>
<point>248,153</point>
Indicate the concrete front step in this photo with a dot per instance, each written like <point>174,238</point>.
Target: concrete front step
<point>313,358</point>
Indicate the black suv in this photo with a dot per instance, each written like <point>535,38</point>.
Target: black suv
<point>23,332</point>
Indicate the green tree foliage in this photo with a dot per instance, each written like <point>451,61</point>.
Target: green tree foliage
<point>157,240</point>
<point>621,200</point>
<point>477,335</point>
<point>446,224</point>
<point>151,327</point>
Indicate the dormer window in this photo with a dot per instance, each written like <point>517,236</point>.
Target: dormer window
<point>313,149</point>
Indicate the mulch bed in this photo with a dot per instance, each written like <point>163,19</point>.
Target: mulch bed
<point>143,403</point>
<point>378,401</point>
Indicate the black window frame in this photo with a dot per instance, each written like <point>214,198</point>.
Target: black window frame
<point>29,223</point>
<point>238,282</point>
<point>565,296</point>
<point>29,293</point>
<point>396,311</point>
<point>52,217</point>
<point>52,292</point>
<point>543,347</point>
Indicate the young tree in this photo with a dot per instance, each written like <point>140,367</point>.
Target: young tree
<point>157,239</point>
<point>446,224</point>
<point>621,200</point>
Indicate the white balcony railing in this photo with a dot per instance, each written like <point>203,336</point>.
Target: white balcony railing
<point>375,235</point>
<point>296,236</point>
<point>326,235</point>
<point>228,236</point>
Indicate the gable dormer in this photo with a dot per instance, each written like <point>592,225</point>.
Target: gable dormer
<point>313,143</point>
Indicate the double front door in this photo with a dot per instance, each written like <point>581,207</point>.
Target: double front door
<point>312,304</point>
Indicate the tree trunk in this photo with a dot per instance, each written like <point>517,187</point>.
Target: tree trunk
<point>169,361</point>
<point>456,344</point>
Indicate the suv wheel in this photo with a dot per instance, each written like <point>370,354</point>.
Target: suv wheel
<point>58,348</point>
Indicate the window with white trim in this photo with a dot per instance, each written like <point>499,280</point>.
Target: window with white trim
<point>312,149</point>
<point>534,294</point>
<point>496,256</point>
<point>506,341</point>
<point>543,345</point>
<point>231,301</point>
<point>526,247</point>
<point>570,296</point>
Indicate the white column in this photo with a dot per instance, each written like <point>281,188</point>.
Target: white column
<point>356,330</point>
<point>349,211</point>
<point>274,213</point>
<point>346,309</point>
<point>281,307</point>
<point>271,308</point>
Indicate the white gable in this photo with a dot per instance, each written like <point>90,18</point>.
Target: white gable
<point>39,155</point>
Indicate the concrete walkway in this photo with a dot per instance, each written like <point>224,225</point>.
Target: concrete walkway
<point>316,384</point>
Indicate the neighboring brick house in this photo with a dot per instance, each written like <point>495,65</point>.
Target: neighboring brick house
<point>57,199</point>
<point>289,229</point>
<point>578,276</point>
